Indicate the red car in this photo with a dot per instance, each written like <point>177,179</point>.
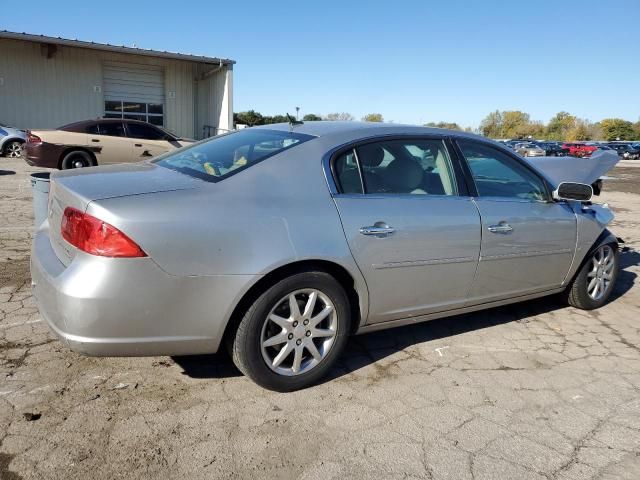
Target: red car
<point>579,149</point>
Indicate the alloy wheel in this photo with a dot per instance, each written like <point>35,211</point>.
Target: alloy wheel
<point>601,273</point>
<point>14,150</point>
<point>299,332</point>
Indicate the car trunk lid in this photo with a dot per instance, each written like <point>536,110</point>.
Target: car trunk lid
<point>77,188</point>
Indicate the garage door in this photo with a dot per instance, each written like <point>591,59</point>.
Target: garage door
<point>134,91</point>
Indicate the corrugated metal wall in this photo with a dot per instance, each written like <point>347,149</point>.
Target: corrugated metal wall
<point>179,98</point>
<point>45,93</point>
<point>41,92</point>
<point>214,101</point>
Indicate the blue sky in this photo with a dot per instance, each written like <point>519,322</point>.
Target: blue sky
<point>412,61</point>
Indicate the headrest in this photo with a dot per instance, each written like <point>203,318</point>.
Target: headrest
<point>403,175</point>
<point>370,155</point>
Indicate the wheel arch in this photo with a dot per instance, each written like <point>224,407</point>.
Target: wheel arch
<point>8,140</point>
<point>605,238</point>
<point>76,148</point>
<point>337,271</point>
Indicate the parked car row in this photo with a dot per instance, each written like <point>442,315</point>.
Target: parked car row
<point>627,151</point>
<point>107,140</point>
<point>534,148</point>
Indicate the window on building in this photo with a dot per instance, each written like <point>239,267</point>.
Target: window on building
<point>146,112</point>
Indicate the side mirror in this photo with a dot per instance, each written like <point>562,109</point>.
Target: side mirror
<point>573,191</point>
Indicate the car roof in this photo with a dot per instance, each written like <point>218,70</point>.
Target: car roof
<point>358,130</point>
<point>71,127</point>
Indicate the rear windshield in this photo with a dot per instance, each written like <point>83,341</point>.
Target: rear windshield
<point>220,157</point>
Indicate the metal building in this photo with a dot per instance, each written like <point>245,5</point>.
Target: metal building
<point>46,82</point>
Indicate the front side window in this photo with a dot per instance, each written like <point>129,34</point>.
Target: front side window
<point>412,166</point>
<point>496,174</point>
<point>144,132</point>
<point>222,156</point>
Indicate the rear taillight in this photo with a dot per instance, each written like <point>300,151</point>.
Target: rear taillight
<point>33,139</point>
<point>96,237</point>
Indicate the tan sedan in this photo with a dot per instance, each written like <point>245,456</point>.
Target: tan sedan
<point>98,142</point>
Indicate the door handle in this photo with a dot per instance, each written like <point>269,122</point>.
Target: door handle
<point>378,229</point>
<point>137,144</point>
<point>95,140</point>
<point>502,227</point>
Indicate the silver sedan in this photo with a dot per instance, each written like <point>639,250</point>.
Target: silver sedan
<point>280,242</point>
<point>529,150</point>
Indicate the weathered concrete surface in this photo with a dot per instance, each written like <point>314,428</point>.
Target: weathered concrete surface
<point>535,390</point>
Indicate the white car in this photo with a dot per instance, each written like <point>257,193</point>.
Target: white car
<point>11,141</point>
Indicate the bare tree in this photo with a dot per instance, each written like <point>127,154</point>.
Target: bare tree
<point>344,116</point>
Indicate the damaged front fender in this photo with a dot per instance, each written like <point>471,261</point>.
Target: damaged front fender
<point>592,221</point>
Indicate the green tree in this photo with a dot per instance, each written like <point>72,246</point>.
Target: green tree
<point>491,125</point>
<point>559,125</point>
<point>617,128</point>
<point>311,117</point>
<point>447,125</point>
<point>250,117</point>
<point>344,116</point>
<point>581,131</point>
<point>594,130</point>
<point>276,119</point>
<point>373,117</point>
<point>515,124</point>
<point>636,130</point>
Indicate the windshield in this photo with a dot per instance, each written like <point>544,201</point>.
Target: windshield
<point>222,156</point>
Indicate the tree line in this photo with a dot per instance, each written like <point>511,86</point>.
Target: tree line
<point>562,126</point>
<point>499,124</point>
<point>253,118</point>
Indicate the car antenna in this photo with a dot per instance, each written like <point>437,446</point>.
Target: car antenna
<point>293,122</point>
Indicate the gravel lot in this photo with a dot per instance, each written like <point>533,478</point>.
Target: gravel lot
<point>534,390</point>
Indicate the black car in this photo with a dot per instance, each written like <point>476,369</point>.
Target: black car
<point>552,149</point>
<point>626,151</point>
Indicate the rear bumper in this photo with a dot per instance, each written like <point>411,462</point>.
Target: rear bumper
<point>130,307</point>
<point>43,154</point>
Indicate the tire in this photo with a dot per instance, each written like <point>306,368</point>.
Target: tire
<point>13,149</point>
<point>77,159</point>
<point>293,333</point>
<point>579,294</point>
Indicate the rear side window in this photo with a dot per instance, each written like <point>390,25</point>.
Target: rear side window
<point>222,156</point>
<point>347,173</point>
<point>92,129</point>
<point>112,129</point>
<point>412,166</point>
